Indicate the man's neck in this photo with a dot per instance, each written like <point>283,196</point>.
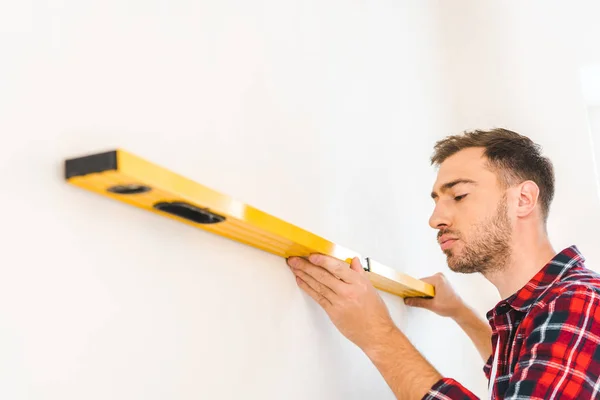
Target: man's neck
<point>528,257</point>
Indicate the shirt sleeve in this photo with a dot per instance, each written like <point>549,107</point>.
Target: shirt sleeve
<point>449,389</point>
<point>561,354</point>
<point>487,368</point>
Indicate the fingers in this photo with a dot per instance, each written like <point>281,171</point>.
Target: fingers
<point>417,302</point>
<point>323,302</point>
<point>437,278</point>
<point>337,267</point>
<point>318,274</point>
<point>316,286</point>
<point>429,304</point>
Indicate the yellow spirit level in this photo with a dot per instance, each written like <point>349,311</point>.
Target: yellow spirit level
<point>133,180</point>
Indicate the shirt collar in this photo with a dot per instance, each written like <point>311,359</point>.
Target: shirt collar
<point>552,272</point>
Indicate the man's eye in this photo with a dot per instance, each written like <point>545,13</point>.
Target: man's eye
<point>459,198</point>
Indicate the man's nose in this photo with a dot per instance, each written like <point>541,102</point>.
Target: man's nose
<point>440,218</point>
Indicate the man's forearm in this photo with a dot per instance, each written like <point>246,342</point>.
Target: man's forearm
<point>406,371</point>
<point>478,330</point>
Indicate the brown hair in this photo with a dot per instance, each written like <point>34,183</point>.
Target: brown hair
<point>515,157</point>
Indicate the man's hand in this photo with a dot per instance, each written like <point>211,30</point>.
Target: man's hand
<point>347,296</point>
<point>446,303</point>
<point>357,310</point>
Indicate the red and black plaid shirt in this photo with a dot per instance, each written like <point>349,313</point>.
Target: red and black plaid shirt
<point>549,337</point>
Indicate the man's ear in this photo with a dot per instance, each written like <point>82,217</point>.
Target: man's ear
<point>528,196</point>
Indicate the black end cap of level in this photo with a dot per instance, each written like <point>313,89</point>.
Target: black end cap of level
<point>91,164</point>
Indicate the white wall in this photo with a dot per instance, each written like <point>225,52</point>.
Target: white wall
<point>594,128</point>
<point>321,113</point>
<point>590,86</point>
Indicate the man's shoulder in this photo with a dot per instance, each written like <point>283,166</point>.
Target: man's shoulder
<point>579,278</point>
<point>578,282</point>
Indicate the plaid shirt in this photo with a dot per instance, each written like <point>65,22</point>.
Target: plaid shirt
<point>549,335</point>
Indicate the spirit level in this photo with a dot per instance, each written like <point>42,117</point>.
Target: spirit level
<point>133,180</point>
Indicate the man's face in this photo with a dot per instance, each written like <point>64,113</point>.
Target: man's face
<point>471,214</point>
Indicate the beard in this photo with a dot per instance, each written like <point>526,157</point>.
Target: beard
<point>489,250</point>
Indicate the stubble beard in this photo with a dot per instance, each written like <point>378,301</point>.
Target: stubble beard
<point>489,250</point>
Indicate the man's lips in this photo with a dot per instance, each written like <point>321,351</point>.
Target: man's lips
<point>446,242</point>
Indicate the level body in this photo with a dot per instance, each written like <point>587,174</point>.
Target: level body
<point>126,177</point>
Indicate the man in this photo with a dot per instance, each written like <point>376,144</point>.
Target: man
<point>492,199</point>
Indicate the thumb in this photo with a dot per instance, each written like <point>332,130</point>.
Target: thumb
<point>356,265</point>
